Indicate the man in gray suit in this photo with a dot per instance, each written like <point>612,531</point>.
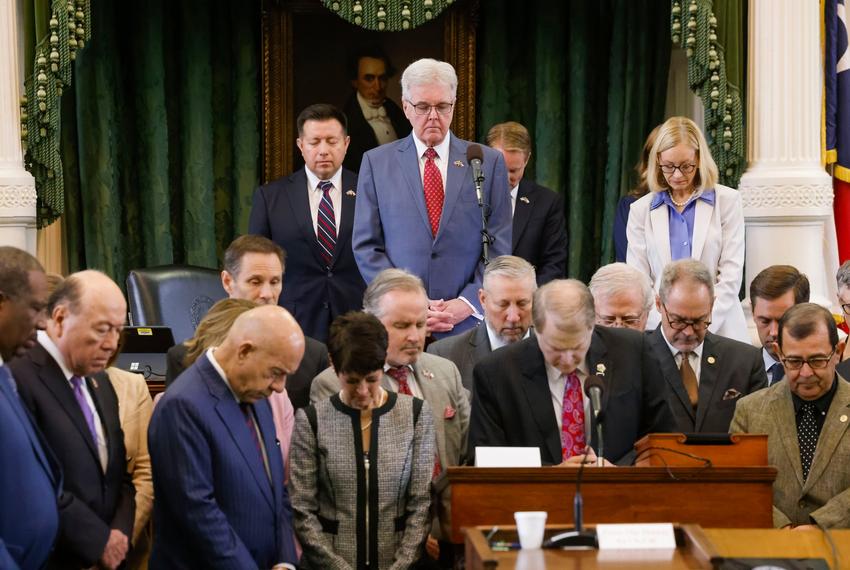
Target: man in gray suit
<point>706,373</point>
<point>506,298</point>
<point>399,301</point>
<point>805,419</point>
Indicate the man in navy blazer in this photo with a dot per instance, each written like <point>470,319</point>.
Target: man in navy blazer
<point>417,208</point>
<point>313,226</point>
<point>29,479</point>
<point>78,416</point>
<point>539,224</point>
<point>220,497</point>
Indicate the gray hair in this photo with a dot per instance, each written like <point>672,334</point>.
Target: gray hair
<point>617,278</point>
<point>567,299</point>
<point>509,266</point>
<point>387,281</point>
<point>689,269</point>
<point>843,275</point>
<point>427,72</point>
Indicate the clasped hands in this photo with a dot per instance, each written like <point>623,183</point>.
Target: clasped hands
<point>444,315</point>
<point>589,460</point>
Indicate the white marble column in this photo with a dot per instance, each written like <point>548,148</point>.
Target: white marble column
<point>17,186</point>
<point>787,195</point>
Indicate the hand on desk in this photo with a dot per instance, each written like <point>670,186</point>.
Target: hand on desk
<point>589,461</point>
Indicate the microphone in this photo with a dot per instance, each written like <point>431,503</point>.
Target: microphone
<point>593,388</point>
<point>475,156</point>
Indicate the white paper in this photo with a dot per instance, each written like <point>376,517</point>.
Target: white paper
<point>507,457</point>
<point>654,536</point>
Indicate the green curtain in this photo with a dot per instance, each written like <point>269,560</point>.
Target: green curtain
<point>161,134</point>
<point>589,81</point>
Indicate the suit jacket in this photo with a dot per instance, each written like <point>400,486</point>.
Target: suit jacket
<point>297,384</point>
<point>441,387</point>
<point>513,405</point>
<point>843,369</point>
<point>728,370</point>
<point>313,293</point>
<point>718,242</point>
<point>134,412</point>
<point>540,230</point>
<point>465,350</point>
<point>825,494</point>
<point>30,483</point>
<point>391,227</point>
<point>215,505</point>
<point>363,136</point>
<point>93,501</point>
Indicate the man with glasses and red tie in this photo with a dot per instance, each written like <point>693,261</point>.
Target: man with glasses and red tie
<point>805,418</point>
<point>705,373</point>
<point>531,393</point>
<point>417,207</point>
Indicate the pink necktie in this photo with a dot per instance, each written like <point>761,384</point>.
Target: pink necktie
<point>433,183</point>
<point>572,419</point>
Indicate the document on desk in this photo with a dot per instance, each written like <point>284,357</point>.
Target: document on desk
<point>507,457</point>
<point>652,536</point>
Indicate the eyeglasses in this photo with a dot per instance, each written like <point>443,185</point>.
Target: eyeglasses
<point>628,322</point>
<point>425,108</point>
<point>685,169</point>
<point>814,362</point>
<point>680,324</point>
<point>846,308</point>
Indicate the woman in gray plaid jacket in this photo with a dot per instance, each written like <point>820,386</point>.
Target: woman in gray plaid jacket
<point>361,462</point>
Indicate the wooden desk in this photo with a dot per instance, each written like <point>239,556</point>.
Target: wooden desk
<point>740,497</point>
<point>697,547</point>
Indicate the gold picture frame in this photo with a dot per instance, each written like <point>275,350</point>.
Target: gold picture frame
<point>283,20</point>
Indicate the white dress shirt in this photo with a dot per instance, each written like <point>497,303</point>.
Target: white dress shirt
<point>315,196</point>
<point>378,120</point>
<point>495,340</point>
<point>514,192</point>
<point>695,357</point>
<point>53,351</point>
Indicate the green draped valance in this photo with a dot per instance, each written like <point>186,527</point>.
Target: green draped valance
<point>387,15</point>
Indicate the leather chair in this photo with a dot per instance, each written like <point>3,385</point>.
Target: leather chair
<point>175,296</point>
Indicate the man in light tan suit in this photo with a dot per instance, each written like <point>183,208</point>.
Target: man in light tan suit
<point>806,419</point>
<point>399,301</point>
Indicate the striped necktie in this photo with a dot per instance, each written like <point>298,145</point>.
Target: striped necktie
<point>326,223</point>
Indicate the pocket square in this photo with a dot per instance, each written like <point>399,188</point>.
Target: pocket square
<point>449,413</point>
<point>731,394</point>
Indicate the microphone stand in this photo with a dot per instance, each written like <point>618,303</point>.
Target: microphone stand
<point>579,538</point>
<point>486,238</point>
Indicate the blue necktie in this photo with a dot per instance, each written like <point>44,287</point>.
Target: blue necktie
<point>777,372</point>
<point>326,223</point>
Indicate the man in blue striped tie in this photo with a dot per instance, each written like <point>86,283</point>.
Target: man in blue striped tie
<point>310,215</point>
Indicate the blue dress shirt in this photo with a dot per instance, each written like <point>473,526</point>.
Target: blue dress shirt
<point>681,224</point>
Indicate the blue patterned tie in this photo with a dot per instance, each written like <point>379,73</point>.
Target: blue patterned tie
<point>326,223</point>
<point>777,372</point>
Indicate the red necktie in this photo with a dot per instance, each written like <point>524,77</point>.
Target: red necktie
<point>572,419</point>
<point>399,374</point>
<point>248,410</point>
<point>433,183</point>
<point>326,223</point>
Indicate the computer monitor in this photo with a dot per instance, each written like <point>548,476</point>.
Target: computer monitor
<point>144,351</point>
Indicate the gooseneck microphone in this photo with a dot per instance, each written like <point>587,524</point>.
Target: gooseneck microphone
<point>475,158</point>
<point>594,386</point>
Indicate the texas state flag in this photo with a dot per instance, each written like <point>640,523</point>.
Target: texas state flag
<point>837,116</point>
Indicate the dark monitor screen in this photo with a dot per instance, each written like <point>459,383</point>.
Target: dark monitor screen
<point>144,351</point>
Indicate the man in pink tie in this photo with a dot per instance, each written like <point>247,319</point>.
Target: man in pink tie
<point>417,207</point>
<point>531,393</point>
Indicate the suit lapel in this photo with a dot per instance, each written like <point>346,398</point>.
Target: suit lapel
<point>669,369</point>
<point>346,221</point>
<point>409,167</point>
<point>661,231</point>
<point>782,413</point>
<point>831,433</point>
<point>522,211</point>
<point>265,421</point>
<point>434,396</point>
<point>455,177</point>
<point>94,389</point>
<point>234,421</point>
<point>599,364</point>
<point>299,200</point>
<point>536,387</point>
<point>707,381</point>
<point>702,219</point>
<point>479,343</point>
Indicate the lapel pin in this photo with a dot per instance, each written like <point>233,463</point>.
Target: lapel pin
<point>843,418</point>
<point>427,374</point>
<point>459,163</point>
<point>524,199</point>
<point>351,193</point>
<point>711,360</point>
<point>600,370</point>
<point>94,383</point>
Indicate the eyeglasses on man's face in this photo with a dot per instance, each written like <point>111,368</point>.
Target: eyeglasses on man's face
<point>678,323</point>
<point>814,362</point>
<point>685,168</point>
<point>846,308</point>
<point>425,108</point>
<point>627,321</point>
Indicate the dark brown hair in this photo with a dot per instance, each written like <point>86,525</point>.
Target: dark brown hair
<point>15,265</point>
<point>250,244</point>
<point>321,112</point>
<point>801,321</point>
<point>357,343</point>
<point>776,280</point>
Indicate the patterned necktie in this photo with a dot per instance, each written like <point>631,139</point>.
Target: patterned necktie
<point>573,441</point>
<point>433,183</point>
<point>807,436</point>
<point>77,383</point>
<point>399,374</point>
<point>248,411</point>
<point>326,223</point>
<point>689,379</point>
<point>777,372</point>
